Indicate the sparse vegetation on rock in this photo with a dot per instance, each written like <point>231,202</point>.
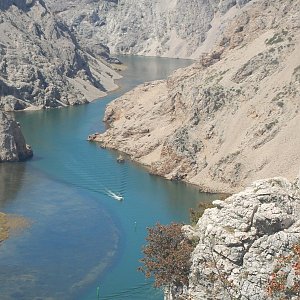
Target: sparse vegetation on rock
<point>246,247</point>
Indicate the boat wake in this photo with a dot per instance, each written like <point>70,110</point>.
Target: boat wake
<point>114,195</point>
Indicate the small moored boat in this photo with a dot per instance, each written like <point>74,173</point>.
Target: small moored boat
<point>120,159</point>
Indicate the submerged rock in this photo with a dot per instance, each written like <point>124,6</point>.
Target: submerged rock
<point>11,224</point>
<point>12,143</point>
<point>240,241</point>
<point>120,159</point>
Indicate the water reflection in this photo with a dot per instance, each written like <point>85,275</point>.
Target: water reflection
<point>11,180</point>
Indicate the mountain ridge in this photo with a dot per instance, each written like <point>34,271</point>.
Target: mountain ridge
<point>176,28</point>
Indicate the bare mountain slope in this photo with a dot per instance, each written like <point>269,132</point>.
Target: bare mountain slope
<point>229,119</point>
<point>41,63</point>
<point>172,28</point>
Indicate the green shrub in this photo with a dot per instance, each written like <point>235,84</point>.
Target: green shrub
<point>196,214</point>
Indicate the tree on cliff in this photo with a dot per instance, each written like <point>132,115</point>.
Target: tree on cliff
<point>167,255</point>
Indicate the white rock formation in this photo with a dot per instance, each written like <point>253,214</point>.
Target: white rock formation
<point>41,63</point>
<point>12,143</point>
<point>172,28</point>
<point>229,119</point>
<point>240,240</point>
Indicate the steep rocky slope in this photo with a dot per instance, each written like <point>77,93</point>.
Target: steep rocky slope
<point>241,239</point>
<point>230,118</point>
<point>41,63</point>
<point>175,28</point>
<point>12,143</point>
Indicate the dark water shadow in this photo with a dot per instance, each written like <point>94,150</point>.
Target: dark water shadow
<point>11,181</point>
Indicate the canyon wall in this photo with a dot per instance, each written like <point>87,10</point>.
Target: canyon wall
<point>230,118</point>
<point>176,28</point>
<point>41,62</point>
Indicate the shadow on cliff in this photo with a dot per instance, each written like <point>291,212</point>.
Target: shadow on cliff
<point>24,5</point>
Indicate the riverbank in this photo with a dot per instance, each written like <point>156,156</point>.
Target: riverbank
<point>3,228</point>
<point>11,224</point>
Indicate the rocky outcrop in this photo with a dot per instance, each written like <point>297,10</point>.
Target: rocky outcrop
<point>41,62</point>
<point>240,240</point>
<point>12,143</point>
<point>176,28</point>
<point>230,118</point>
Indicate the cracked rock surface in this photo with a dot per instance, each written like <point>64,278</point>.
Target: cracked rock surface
<point>241,238</point>
<point>174,28</point>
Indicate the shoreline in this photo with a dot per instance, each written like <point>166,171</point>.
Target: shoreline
<point>11,224</point>
<point>152,172</point>
<point>91,89</point>
<point>211,124</point>
<point>90,92</point>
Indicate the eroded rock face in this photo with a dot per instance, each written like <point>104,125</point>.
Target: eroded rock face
<point>12,143</point>
<point>41,62</point>
<point>176,28</point>
<point>227,120</point>
<point>241,238</point>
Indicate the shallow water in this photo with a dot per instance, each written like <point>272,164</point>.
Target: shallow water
<point>80,238</point>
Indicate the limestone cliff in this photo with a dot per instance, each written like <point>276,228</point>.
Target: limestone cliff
<point>172,28</point>
<point>230,118</point>
<point>41,62</point>
<point>12,143</point>
<point>240,241</point>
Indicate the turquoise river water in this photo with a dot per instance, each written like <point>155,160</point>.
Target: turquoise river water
<point>80,238</point>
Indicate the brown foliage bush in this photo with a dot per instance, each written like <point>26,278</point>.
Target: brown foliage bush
<point>279,285</point>
<point>167,255</point>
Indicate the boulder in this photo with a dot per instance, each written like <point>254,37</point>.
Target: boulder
<point>12,143</point>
